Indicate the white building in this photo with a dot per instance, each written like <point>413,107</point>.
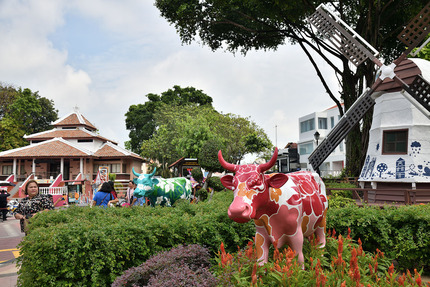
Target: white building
<point>320,123</point>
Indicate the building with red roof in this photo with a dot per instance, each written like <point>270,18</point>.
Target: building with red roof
<point>71,151</point>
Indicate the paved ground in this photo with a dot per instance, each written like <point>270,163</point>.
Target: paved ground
<point>10,236</point>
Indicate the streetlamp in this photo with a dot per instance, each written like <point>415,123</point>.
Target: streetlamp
<point>317,136</point>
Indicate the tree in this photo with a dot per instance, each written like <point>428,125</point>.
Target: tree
<point>196,131</point>
<point>140,118</point>
<point>26,113</point>
<point>242,25</point>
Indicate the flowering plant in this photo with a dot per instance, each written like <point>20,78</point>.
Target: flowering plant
<point>342,262</point>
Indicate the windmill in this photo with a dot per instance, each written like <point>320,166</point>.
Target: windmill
<point>402,74</point>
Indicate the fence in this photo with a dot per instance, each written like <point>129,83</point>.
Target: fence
<point>381,197</point>
<point>53,190</point>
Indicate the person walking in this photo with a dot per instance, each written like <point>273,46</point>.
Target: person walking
<point>3,203</point>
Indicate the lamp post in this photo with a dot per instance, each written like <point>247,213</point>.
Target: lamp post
<point>317,137</point>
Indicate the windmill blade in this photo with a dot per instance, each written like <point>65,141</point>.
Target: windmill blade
<point>343,127</point>
<point>417,29</point>
<point>342,36</point>
<point>418,93</point>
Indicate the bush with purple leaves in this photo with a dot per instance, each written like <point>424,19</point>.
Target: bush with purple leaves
<point>185,265</point>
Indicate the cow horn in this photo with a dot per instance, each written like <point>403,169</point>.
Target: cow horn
<point>135,173</point>
<point>265,166</point>
<point>152,174</point>
<point>224,164</point>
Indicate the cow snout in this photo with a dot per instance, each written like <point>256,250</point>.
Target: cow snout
<point>239,211</point>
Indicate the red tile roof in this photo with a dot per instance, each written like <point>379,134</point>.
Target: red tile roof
<point>52,148</point>
<point>110,150</point>
<point>74,119</point>
<point>65,134</point>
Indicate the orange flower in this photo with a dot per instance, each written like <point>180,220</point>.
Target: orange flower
<point>254,275</point>
<point>250,250</point>
<point>391,270</point>
<point>418,278</point>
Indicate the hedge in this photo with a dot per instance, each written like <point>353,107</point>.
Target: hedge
<point>403,233</point>
<point>83,246</point>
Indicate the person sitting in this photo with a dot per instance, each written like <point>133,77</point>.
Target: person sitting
<point>32,204</point>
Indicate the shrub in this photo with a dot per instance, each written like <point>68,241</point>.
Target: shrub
<point>83,246</point>
<point>403,232</point>
<point>340,198</point>
<point>215,183</point>
<point>197,174</point>
<point>202,193</point>
<point>181,266</point>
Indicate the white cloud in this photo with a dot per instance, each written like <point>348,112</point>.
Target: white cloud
<point>131,51</point>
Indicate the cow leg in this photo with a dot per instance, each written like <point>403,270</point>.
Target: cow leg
<point>296,244</point>
<point>321,230</point>
<point>262,244</point>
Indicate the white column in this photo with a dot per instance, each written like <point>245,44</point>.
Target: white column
<point>14,167</point>
<point>81,167</point>
<point>33,166</point>
<point>62,166</point>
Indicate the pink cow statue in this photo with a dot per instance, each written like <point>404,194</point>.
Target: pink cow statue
<point>285,208</point>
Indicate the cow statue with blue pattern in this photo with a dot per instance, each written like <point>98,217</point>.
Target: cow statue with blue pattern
<point>161,191</point>
<point>286,208</point>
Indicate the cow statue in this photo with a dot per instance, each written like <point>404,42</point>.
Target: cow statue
<point>285,208</point>
<point>161,191</point>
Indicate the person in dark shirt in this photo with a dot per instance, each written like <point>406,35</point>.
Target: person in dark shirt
<point>3,203</point>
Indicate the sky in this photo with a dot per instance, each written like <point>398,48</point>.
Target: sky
<point>104,56</point>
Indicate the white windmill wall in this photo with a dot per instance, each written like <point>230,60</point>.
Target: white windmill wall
<point>393,111</point>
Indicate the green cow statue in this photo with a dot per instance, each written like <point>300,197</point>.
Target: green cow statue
<point>161,191</point>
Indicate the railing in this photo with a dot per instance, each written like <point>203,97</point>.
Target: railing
<point>382,197</point>
<point>60,190</point>
<point>327,173</point>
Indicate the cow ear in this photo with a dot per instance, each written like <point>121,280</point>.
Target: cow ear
<point>227,181</point>
<point>155,181</point>
<point>278,180</point>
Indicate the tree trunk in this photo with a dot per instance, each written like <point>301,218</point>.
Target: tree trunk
<point>358,138</point>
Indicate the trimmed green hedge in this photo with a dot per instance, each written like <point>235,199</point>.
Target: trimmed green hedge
<point>403,233</point>
<point>82,246</point>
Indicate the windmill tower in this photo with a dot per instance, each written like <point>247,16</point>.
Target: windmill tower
<point>399,142</point>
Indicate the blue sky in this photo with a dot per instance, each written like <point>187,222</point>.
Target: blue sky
<point>104,56</point>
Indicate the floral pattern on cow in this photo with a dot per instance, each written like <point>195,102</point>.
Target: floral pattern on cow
<point>285,208</point>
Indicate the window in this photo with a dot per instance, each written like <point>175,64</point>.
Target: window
<point>395,142</point>
<point>6,170</point>
<point>307,125</point>
<point>85,141</point>
<point>322,123</point>
<point>115,168</point>
<point>306,148</point>
<point>331,122</point>
<point>341,146</point>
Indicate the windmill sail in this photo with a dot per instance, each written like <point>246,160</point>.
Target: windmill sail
<point>344,126</point>
<point>345,39</point>
<point>356,49</point>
